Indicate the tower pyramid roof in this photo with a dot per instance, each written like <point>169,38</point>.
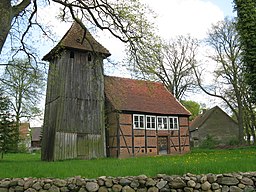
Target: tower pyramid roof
<point>79,39</point>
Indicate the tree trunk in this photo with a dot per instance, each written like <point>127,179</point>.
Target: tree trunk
<point>247,134</point>
<point>240,123</point>
<point>253,134</point>
<point>7,13</point>
<point>254,137</point>
<point>5,22</point>
<point>251,118</point>
<point>16,135</point>
<point>253,126</point>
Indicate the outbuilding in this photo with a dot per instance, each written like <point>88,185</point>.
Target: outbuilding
<point>216,125</point>
<point>143,118</point>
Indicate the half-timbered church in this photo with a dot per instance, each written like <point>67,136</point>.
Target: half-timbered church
<point>89,115</point>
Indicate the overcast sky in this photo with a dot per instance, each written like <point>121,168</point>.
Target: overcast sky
<point>176,17</point>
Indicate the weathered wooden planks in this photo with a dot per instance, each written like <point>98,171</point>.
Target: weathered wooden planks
<point>74,111</point>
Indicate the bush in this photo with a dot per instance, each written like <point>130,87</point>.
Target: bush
<point>22,148</point>
<point>208,143</point>
<point>233,142</point>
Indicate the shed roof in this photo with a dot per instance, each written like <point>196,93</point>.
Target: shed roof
<point>77,38</point>
<point>142,96</point>
<point>200,119</point>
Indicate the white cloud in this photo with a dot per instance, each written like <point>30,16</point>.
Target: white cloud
<point>175,17</point>
<point>180,17</point>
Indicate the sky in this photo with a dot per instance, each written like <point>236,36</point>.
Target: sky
<point>175,17</point>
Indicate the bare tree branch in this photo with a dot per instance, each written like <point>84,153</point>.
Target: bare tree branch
<point>17,9</point>
<point>170,63</point>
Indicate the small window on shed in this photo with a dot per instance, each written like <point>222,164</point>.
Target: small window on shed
<point>138,121</point>
<point>173,123</point>
<point>89,57</point>
<point>72,55</point>
<point>150,122</point>
<point>162,123</point>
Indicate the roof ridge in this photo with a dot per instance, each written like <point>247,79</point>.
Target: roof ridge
<point>151,81</point>
<point>200,119</point>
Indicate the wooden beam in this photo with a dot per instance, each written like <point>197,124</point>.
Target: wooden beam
<point>179,135</point>
<point>118,134</point>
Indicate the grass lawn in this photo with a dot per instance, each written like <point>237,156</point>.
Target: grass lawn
<point>197,162</point>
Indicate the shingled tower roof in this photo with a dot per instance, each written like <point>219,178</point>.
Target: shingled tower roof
<point>79,39</point>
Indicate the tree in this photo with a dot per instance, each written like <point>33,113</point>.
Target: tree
<point>246,11</point>
<point>193,107</point>
<point>125,20</point>
<point>229,82</point>
<point>6,125</point>
<point>249,117</point>
<point>169,62</point>
<point>24,84</point>
<point>7,14</point>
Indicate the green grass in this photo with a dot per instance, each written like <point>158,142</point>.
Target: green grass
<point>197,162</point>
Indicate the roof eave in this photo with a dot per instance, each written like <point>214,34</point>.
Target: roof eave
<point>56,51</point>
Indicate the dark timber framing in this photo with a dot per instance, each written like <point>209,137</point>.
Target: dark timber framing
<point>128,138</point>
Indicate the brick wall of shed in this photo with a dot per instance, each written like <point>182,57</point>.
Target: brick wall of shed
<point>128,142</point>
<point>135,142</point>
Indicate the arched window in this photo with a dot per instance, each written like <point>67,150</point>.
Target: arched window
<point>89,57</point>
<point>72,55</point>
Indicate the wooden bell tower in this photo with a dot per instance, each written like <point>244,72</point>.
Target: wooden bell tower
<point>74,123</point>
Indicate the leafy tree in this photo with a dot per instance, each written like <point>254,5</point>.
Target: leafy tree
<point>246,11</point>
<point>6,126</point>
<point>229,83</point>
<point>249,117</point>
<point>24,84</point>
<point>193,107</point>
<point>170,62</point>
<point>125,20</point>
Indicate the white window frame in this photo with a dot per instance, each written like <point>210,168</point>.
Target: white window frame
<point>161,127</point>
<point>151,122</point>
<point>175,126</point>
<point>139,122</point>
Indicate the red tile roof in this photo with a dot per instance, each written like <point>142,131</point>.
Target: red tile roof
<point>142,96</point>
